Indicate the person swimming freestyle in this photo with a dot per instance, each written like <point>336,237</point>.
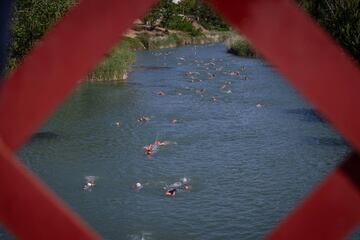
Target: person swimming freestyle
<point>171,192</point>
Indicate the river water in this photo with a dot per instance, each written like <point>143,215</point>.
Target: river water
<point>250,146</point>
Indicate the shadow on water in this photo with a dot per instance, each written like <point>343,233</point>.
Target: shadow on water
<point>326,141</point>
<point>306,114</point>
<point>43,136</point>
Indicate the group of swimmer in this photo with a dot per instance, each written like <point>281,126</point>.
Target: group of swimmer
<point>152,148</point>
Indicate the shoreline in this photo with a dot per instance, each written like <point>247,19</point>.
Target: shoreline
<point>239,46</point>
<point>118,63</point>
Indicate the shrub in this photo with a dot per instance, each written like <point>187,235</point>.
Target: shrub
<point>241,48</point>
<point>116,64</point>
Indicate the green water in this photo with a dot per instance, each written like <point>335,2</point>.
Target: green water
<point>248,166</point>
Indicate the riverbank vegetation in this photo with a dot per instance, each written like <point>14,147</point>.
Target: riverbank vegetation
<point>172,24</point>
<point>117,65</point>
<point>239,46</point>
<point>340,18</point>
<point>30,20</point>
<point>169,24</point>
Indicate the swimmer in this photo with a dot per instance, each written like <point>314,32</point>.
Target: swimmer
<point>89,182</point>
<point>160,143</point>
<point>184,180</point>
<point>174,121</point>
<point>161,93</point>
<point>143,119</point>
<point>171,192</point>
<point>149,149</point>
<point>237,73</point>
<point>152,148</point>
<point>200,91</point>
<point>138,186</point>
<point>185,184</point>
<point>259,105</point>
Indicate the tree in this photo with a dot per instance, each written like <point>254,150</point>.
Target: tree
<point>341,18</point>
<point>170,14</point>
<point>31,19</point>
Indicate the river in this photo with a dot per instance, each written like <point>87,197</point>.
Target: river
<point>248,143</point>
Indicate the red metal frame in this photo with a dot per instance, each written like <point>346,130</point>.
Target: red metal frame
<point>278,29</point>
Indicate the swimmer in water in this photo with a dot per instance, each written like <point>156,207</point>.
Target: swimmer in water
<point>159,143</point>
<point>171,192</point>
<point>142,119</point>
<point>185,183</point>
<point>138,186</point>
<point>90,182</point>
<point>148,149</point>
<point>161,93</point>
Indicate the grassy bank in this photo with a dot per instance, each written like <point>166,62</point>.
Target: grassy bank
<point>168,25</point>
<point>178,38</point>
<point>117,65</point>
<point>239,47</point>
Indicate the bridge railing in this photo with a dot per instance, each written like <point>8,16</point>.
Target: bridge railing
<point>278,29</point>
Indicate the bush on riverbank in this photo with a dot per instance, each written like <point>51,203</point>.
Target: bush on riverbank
<point>30,21</point>
<point>184,25</point>
<point>117,65</point>
<point>239,47</point>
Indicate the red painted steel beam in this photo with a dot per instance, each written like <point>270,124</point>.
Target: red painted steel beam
<point>304,54</point>
<point>331,212</point>
<point>322,72</point>
<point>29,95</point>
<point>55,66</point>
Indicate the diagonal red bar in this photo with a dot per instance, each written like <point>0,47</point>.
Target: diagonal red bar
<point>323,73</point>
<point>304,54</point>
<point>48,74</point>
<point>331,212</point>
<point>55,66</point>
<point>29,210</point>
